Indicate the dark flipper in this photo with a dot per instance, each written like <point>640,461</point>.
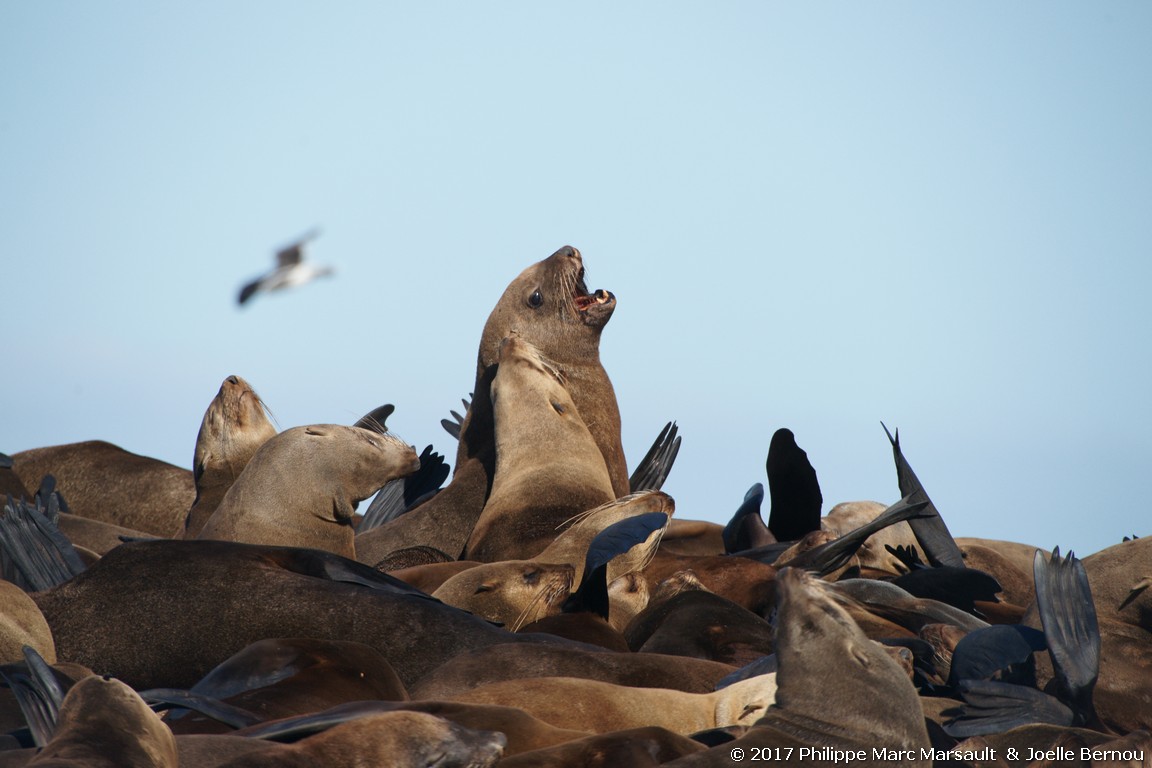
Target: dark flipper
<point>453,427</point>
<point>374,420</point>
<point>793,487</point>
<point>34,554</point>
<point>616,539</point>
<point>399,495</point>
<point>826,558</point>
<point>746,529</point>
<point>166,698</point>
<point>653,469</point>
<point>1069,618</point>
<point>37,692</point>
<point>931,532</point>
<point>991,707</point>
<point>1003,648</point>
<point>958,587</point>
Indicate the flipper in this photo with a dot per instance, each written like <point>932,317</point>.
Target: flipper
<point>908,556</point>
<point>400,495</point>
<point>165,698</point>
<point>931,532</point>
<point>992,707</point>
<point>827,558</point>
<point>653,469</point>
<point>793,487</point>
<point>616,539</point>
<point>37,692</point>
<point>34,554</point>
<point>958,587</point>
<point>1070,625</point>
<point>746,529</point>
<point>982,653</point>
<point>290,729</point>
<point>374,420</point>
<point>332,567</point>
<point>453,427</point>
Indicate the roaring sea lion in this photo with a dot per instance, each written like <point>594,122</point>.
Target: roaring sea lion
<point>549,305</point>
<point>160,614</point>
<point>105,482</point>
<point>548,466</point>
<point>235,425</point>
<point>302,486</point>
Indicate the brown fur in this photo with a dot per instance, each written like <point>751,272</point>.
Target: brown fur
<point>513,593</point>
<point>21,624</point>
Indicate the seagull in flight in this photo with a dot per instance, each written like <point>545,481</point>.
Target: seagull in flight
<point>290,271</point>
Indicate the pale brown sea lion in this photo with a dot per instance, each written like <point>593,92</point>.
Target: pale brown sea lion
<point>21,624</point>
<point>1121,581</point>
<point>849,515</point>
<point>105,482</point>
<point>301,487</point>
<point>634,748</point>
<point>513,592</point>
<point>549,305</point>
<point>430,576</point>
<point>836,689</point>
<point>104,724</point>
<point>548,466</point>
<point>235,425</point>
<point>599,707</point>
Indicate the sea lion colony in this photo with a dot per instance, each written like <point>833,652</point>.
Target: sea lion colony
<point>543,608</point>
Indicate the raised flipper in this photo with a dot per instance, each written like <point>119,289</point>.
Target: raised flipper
<point>1070,625</point>
<point>34,554</point>
<point>166,698</point>
<point>653,469</point>
<point>616,539</point>
<point>453,427</point>
<point>400,495</point>
<point>908,556</point>
<point>793,487</point>
<point>746,529</point>
<point>992,707</point>
<point>1004,648</point>
<point>37,692</point>
<point>829,557</point>
<point>931,532</point>
<point>374,420</point>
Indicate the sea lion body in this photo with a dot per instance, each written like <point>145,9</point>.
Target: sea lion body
<point>548,466</point>
<point>301,487</point>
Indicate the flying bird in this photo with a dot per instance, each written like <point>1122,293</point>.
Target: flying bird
<point>290,271</point>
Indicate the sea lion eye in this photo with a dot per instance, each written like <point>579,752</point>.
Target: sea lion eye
<point>536,299</point>
<point>559,408</point>
<point>484,588</point>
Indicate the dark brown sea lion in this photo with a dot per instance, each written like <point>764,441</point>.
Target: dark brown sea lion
<point>235,425</point>
<point>548,466</point>
<point>161,614</point>
<point>702,625</point>
<point>302,486</point>
<point>836,689</point>
<point>513,661</point>
<point>105,482</point>
<point>549,305</point>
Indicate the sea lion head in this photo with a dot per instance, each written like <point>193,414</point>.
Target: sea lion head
<point>551,306</point>
<point>234,426</point>
<point>512,592</point>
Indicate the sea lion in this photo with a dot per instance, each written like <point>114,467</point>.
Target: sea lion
<point>635,748</point>
<point>105,482</point>
<point>829,680</point>
<point>513,661</point>
<point>104,723</point>
<point>21,624</point>
<point>702,625</point>
<point>550,307</point>
<point>1121,580</point>
<point>599,707</point>
<point>548,467</point>
<point>10,484</point>
<point>513,592</point>
<point>873,553</point>
<point>428,577</point>
<point>160,614</point>
<point>302,486</point>
<point>235,425</point>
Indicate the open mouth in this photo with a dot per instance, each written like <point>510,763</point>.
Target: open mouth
<point>583,298</point>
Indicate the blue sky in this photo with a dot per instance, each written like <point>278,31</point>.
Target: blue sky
<point>813,215</point>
